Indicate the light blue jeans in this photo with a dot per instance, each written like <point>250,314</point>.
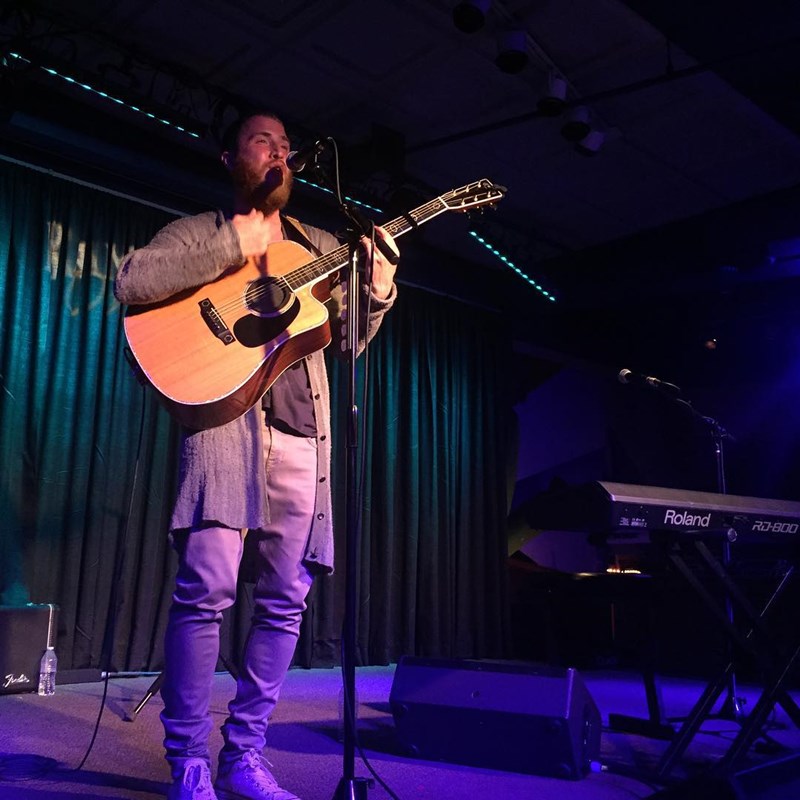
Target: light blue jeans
<point>208,566</point>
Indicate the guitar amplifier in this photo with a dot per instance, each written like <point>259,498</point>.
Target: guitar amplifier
<point>25,633</point>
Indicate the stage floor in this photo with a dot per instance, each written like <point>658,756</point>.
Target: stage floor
<point>44,739</point>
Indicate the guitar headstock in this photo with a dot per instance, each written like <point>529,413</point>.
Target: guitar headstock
<point>474,195</point>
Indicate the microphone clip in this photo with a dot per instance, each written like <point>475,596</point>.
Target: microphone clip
<point>298,160</point>
<point>626,376</point>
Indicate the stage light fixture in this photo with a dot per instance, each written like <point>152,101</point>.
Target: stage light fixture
<point>554,100</point>
<point>591,143</point>
<point>470,15</point>
<point>577,125</point>
<point>512,55</point>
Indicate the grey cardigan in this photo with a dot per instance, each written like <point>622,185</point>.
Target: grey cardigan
<point>221,469</point>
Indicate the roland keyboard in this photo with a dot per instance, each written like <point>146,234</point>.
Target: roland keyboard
<point>627,511</point>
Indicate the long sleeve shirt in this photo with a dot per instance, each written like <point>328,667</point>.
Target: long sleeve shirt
<point>221,468</point>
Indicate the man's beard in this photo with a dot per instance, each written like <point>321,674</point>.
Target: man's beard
<point>265,193</point>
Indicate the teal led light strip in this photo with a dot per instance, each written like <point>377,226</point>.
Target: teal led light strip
<point>492,249</point>
<point>329,191</point>
<point>87,87</point>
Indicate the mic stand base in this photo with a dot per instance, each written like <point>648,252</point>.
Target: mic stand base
<point>353,788</point>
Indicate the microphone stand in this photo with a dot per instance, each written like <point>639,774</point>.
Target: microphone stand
<point>775,672</point>
<point>350,787</point>
<point>731,706</point>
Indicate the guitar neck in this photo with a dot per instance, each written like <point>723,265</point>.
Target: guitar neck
<point>338,258</point>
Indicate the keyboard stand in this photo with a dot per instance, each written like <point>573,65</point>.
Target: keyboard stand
<point>656,725</point>
<point>756,642</point>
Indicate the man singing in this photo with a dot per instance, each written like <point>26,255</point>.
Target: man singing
<point>265,474</point>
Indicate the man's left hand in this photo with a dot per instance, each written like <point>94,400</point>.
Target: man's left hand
<point>382,270</point>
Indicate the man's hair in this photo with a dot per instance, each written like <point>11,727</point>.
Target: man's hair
<point>230,138</point>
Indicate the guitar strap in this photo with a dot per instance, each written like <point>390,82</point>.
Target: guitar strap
<point>296,232</point>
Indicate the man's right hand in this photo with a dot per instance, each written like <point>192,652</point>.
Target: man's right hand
<point>256,232</point>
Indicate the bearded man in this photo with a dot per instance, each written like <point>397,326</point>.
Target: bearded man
<point>264,474</point>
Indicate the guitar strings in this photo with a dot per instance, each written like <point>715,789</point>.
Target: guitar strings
<point>305,273</point>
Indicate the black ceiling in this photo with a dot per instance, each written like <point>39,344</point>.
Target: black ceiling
<point>690,203</point>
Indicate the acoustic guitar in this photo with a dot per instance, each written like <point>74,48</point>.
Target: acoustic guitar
<point>213,351</point>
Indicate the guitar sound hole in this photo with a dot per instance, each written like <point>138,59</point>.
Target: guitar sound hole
<point>267,297</point>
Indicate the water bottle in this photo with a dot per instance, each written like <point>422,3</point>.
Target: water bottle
<point>47,672</point>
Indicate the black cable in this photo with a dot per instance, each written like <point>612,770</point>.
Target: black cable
<point>365,384</point>
<point>113,605</point>
<point>348,709</point>
<point>32,767</point>
<point>348,704</point>
<point>96,725</point>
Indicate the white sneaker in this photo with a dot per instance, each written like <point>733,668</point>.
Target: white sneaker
<point>194,784</point>
<point>250,779</point>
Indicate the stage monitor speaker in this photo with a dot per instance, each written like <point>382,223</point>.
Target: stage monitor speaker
<point>25,632</point>
<point>501,715</point>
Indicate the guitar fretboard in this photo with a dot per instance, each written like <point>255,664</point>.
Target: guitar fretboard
<point>336,259</point>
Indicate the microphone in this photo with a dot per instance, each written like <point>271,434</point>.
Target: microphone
<point>626,376</point>
<point>297,160</point>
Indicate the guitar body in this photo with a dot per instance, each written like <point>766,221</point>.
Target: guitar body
<point>212,352</point>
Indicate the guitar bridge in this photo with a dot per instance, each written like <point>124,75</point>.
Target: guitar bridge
<point>215,322</point>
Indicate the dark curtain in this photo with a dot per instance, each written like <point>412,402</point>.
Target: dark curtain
<point>84,519</point>
<point>433,541</point>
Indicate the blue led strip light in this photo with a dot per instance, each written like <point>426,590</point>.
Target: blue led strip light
<point>329,191</point>
<point>507,261</point>
<point>87,87</point>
